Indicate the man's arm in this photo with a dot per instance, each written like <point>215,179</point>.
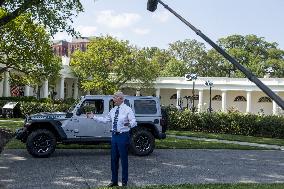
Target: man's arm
<point>132,119</point>
<point>101,119</point>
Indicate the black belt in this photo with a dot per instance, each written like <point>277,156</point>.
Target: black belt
<point>118,133</point>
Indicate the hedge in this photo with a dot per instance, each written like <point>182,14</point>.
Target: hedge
<point>31,105</point>
<point>227,123</point>
<point>34,99</point>
<point>28,108</point>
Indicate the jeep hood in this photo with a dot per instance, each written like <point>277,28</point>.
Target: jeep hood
<point>48,116</point>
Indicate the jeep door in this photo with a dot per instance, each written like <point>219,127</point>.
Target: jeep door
<point>87,127</point>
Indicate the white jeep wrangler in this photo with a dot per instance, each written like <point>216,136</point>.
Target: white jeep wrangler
<point>41,132</point>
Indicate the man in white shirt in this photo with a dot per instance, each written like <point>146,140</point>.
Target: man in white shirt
<point>122,119</point>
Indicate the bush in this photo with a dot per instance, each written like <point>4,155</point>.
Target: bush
<point>28,108</point>
<point>31,105</point>
<point>227,123</point>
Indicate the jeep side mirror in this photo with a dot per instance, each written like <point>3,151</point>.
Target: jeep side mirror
<point>79,112</point>
<point>69,114</point>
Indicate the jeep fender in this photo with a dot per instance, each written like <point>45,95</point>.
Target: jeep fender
<point>52,125</point>
<point>152,128</point>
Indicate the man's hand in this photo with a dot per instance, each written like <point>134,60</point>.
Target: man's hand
<point>126,125</point>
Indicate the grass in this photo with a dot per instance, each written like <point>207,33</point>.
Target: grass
<point>215,186</point>
<point>173,143</point>
<point>11,125</point>
<point>260,140</point>
<point>168,143</point>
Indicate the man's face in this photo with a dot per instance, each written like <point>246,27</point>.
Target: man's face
<point>117,100</point>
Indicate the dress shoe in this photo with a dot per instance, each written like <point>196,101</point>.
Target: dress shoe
<point>112,184</point>
<point>124,184</point>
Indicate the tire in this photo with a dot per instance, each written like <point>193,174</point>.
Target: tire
<point>41,143</point>
<point>142,142</point>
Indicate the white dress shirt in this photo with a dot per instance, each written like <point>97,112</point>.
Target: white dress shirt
<point>125,116</point>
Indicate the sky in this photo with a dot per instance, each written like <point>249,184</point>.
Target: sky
<point>130,20</point>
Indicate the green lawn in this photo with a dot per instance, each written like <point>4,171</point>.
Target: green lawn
<point>215,186</point>
<point>260,140</point>
<point>168,143</point>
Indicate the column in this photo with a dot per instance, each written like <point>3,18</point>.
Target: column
<point>45,89</point>
<point>158,92</point>
<point>200,102</point>
<point>27,90</point>
<point>36,92</point>
<point>274,107</point>
<point>224,101</point>
<point>61,91</point>
<point>138,93</point>
<point>75,95</point>
<point>6,85</point>
<point>248,108</point>
<point>1,86</point>
<point>178,98</point>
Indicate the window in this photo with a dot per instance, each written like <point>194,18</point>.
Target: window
<point>240,99</point>
<point>174,96</point>
<point>264,99</point>
<point>95,106</point>
<point>111,103</point>
<point>73,90</point>
<point>145,106</point>
<point>217,98</point>
<point>65,90</point>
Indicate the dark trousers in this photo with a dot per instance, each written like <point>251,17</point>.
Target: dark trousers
<point>119,149</point>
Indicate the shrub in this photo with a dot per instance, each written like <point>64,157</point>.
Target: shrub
<point>228,123</point>
<point>28,108</point>
<point>31,105</point>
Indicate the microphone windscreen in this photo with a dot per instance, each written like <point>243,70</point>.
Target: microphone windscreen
<point>152,5</point>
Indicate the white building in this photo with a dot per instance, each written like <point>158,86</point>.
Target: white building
<point>227,93</point>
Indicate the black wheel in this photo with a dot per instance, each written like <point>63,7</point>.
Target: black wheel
<point>142,142</point>
<point>41,143</point>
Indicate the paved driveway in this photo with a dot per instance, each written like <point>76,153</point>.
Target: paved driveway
<point>91,168</point>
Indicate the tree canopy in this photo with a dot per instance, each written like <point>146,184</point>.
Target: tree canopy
<point>52,14</point>
<point>25,48</point>
<point>254,53</point>
<point>251,51</point>
<point>109,63</point>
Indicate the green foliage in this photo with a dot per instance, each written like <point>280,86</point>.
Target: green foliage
<point>227,123</point>
<point>159,56</point>
<point>28,108</point>
<point>25,48</point>
<point>54,15</point>
<point>109,63</point>
<point>188,55</point>
<point>252,52</point>
<point>174,68</point>
<point>31,105</point>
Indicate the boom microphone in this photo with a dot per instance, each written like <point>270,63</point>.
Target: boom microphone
<point>152,5</point>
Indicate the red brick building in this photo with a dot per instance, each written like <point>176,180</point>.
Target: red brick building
<point>65,48</point>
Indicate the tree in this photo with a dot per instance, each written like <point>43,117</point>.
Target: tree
<point>25,48</point>
<point>190,52</point>
<point>174,68</point>
<point>53,14</point>
<point>160,56</point>
<point>109,63</point>
<point>254,53</point>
